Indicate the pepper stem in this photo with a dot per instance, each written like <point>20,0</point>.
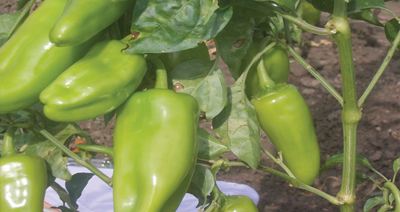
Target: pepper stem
<point>8,142</point>
<point>96,148</point>
<point>265,82</point>
<point>161,73</point>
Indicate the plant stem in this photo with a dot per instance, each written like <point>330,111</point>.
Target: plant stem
<point>265,82</point>
<point>396,194</point>
<point>24,125</point>
<point>298,184</point>
<point>351,114</point>
<point>293,181</point>
<point>76,158</point>
<point>161,73</point>
<point>380,71</point>
<point>254,60</point>
<point>317,76</point>
<point>303,24</point>
<point>386,206</point>
<point>8,142</point>
<point>279,162</point>
<point>287,32</point>
<point>96,148</point>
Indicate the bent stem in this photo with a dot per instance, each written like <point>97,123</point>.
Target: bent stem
<point>300,22</point>
<point>254,60</point>
<point>85,163</point>
<point>96,148</point>
<point>161,73</point>
<point>396,194</point>
<point>8,142</point>
<point>279,162</point>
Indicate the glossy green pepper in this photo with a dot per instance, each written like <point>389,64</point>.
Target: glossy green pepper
<point>173,59</point>
<point>236,203</point>
<point>309,13</point>
<point>276,62</point>
<point>286,119</point>
<point>95,85</point>
<point>23,179</point>
<point>176,198</point>
<point>82,19</point>
<point>155,148</point>
<point>29,61</point>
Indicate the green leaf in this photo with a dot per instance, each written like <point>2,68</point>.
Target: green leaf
<point>109,116</point>
<point>279,29</point>
<point>361,160</point>
<point>245,8</point>
<point>64,197</point>
<point>368,4</point>
<point>76,185</point>
<point>353,5</point>
<point>337,159</point>
<point>170,26</point>
<point>6,23</point>
<point>392,28</point>
<point>361,177</point>
<point>41,146</point>
<point>209,147</point>
<point>21,4</point>
<point>391,198</point>
<point>290,4</point>
<point>372,202</point>
<point>232,42</point>
<point>21,139</point>
<point>396,166</point>
<point>204,81</point>
<point>365,15</point>
<point>202,184</point>
<point>237,126</point>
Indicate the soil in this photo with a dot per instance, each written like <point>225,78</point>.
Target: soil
<point>378,131</point>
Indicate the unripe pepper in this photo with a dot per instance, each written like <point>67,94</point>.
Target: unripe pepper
<point>29,61</point>
<point>309,13</point>
<point>23,179</point>
<point>237,203</point>
<point>95,85</point>
<point>285,117</point>
<point>82,19</point>
<point>155,148</point>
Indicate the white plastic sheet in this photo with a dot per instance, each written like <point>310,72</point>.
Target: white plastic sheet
<point>97,196</point>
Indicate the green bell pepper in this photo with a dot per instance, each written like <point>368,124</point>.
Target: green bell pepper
<point>155,149</point>
<point>276,62</point>
<point>309,13</point>
<point>82,19</point>
<point>95,85</point>
<point>23,179</point>
<point>285,117</point>
<point>29,61</point>
<point>236,203</point>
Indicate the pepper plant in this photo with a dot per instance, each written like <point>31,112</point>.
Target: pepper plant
<point>146,62</point>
